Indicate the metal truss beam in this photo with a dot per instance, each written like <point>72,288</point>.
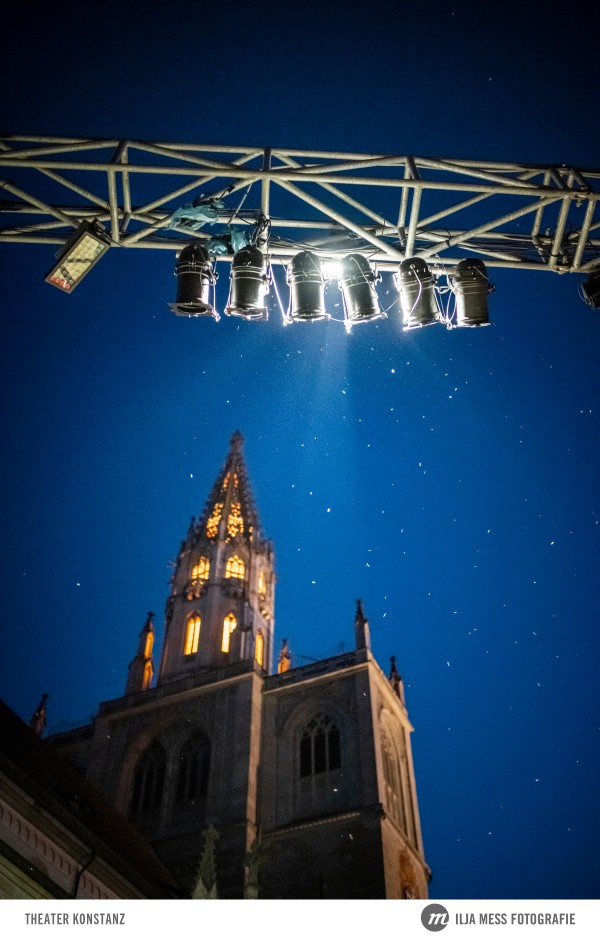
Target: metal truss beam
<point>515,215</point>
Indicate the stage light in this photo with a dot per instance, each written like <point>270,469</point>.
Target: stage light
<point>357,283</point>
<point>249,284</point>
<point>415,285</point>
<point>307,281</point>
<point>591,290</point>
<point>471,286</point>
<point>195,276</point>
<point>80,253</point>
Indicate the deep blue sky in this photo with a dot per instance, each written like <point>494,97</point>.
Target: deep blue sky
<point>448,478</point>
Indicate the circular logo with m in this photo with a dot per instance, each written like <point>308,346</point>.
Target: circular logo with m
<point>434,917</point>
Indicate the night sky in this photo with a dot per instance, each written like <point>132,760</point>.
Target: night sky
<point>449,478</point>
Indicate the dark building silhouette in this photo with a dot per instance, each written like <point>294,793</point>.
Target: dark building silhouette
<point>59,838</point>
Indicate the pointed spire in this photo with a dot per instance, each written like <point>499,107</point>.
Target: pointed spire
<point>236,443</point>
<point>206,881</point>
<point>362,633</point>
<point>141,670</point>
<point>230,511</point>
<point>38,720</point>
<point>285,658</point>
<point>395,678</point>
<point>221,607</point>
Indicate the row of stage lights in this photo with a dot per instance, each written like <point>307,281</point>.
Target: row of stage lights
<point>307,276</point>
<point>420,294</point>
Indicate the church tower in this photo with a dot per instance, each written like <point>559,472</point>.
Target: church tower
<point>250,783</point>
<point>220,610</point>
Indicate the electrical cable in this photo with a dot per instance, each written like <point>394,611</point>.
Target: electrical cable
<point>286,319</point>
<point>235,213</point>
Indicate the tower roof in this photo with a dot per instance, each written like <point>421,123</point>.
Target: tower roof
<point>230,509</point>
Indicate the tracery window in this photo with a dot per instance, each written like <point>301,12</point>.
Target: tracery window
<point>201,569</point>
<point>259,648</point>
<point>320,746</point>
<point>262,584</point>
<point>229,625</point>
<point>235,521</point>
<point>392,778</point>
<point>193,769</point>
<point>192,634</point>
<point>235,568</point>
<point>212,524</point>
<point>149,780</point>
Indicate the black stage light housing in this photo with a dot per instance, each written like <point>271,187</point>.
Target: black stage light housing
<point>357,283</point>
<point>307,283</point>
<point>471,286</point>
<point>249,284</point>
<point>591,290</point>
<point>415,284</point>
<point>195,275</point>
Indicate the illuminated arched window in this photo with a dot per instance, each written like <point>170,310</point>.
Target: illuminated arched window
<point>212,524</point>
<point>147,675</point>
<point>229,625</point>
<point>262,583</point>
<point>192,634</point>
<point>202,568</point>
<point>319,746</point>
<point>149,780</point>
<point>193,770</point>
<point>235,568</point>
<point>149,644</point>
<point>259,648</point>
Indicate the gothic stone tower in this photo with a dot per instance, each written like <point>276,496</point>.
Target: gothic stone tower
<point>220,610</point>
<point>308,771</point>
<point>339,813</point>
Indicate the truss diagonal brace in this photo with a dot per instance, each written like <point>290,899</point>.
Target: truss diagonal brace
<point>488,226</point>
<point>49,209</point>
<point>392,252</point>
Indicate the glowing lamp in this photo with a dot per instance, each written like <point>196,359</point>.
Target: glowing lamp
<point>332,269</point>
<point>415,285</point>
<point>591,290</point>
<point>307,284</point>
<point>357,283</point>
<point>80,253</point>
<point>249,284</point>
<point>471,286</point>
<point>195,276</point>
